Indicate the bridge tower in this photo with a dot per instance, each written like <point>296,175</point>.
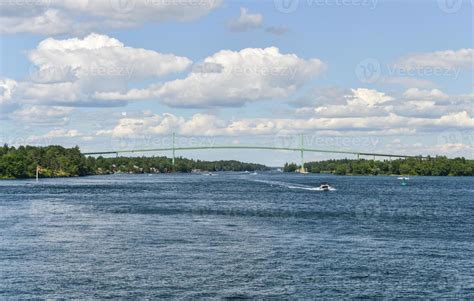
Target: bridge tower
<point>302,169</point>
<point>172,161</point>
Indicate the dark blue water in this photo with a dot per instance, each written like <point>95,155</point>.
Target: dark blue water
<point>236,235</point>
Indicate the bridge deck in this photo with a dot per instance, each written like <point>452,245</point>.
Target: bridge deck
<point>254,148</point>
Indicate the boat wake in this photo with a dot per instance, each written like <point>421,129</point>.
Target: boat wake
<point>293,186</point>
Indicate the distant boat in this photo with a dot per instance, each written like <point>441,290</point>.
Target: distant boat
<point>324,187</point>
<point>254,173</point>
<point>404,180</point>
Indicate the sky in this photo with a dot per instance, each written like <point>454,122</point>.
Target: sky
<point>359,75</point>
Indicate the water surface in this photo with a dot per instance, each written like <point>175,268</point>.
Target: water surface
<point>236,235</point>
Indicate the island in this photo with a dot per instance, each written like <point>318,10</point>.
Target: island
<point>57,161</point>
<point>437,166</point>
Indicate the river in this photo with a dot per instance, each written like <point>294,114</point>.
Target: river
<point>236,235</point>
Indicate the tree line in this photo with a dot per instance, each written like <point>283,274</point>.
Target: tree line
<point>57,161</point>
<point>437,166</point>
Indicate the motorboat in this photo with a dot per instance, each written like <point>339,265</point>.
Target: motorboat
<point>403,181</point>
<point>324,187</point>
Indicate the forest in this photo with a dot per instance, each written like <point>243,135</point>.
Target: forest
<point>57,161</point>
<point>437,166</point>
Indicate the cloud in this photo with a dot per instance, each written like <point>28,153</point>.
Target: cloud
<point>69,72</point>
<point>367,97</point>
<point>447,59</point>
<point>277,30</point>
<point>57,134</point>
<point>99,56</point>
<point>7,89</point>
<point>322,96</point>
<point>211,125</point>
<point>406,81</point>
<point>245,21</point>
<point>417,94</point>
<point>72,16</point>
<point>338,103</point>
<point>248,75</point>
<point>51,22</point>
<point>42,115</point>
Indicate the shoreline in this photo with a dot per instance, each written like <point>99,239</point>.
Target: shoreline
<point>265,172</point>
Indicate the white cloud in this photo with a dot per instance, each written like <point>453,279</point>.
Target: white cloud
<point>367,97</point>
<point>354,103</point>
<point>245,21</point>
<point>367,102</point>
<point>56,134</point>
<point>447,59</point>
<point>70,71</point>
<point>99,56</point>
<point>7,89</point>
<point>211,125</point>
<point>448,149</point>
<point>417,94</point>
<point>248,75</point>
<point>72,16</point>
<point>51,22</point>
<point>42,115</point>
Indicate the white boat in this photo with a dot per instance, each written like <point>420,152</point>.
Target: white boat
<point>324,187</point>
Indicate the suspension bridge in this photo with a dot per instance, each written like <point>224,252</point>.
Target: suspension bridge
<point>301,149</point>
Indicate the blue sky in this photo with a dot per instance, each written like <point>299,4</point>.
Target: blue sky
<point>391,76</point>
